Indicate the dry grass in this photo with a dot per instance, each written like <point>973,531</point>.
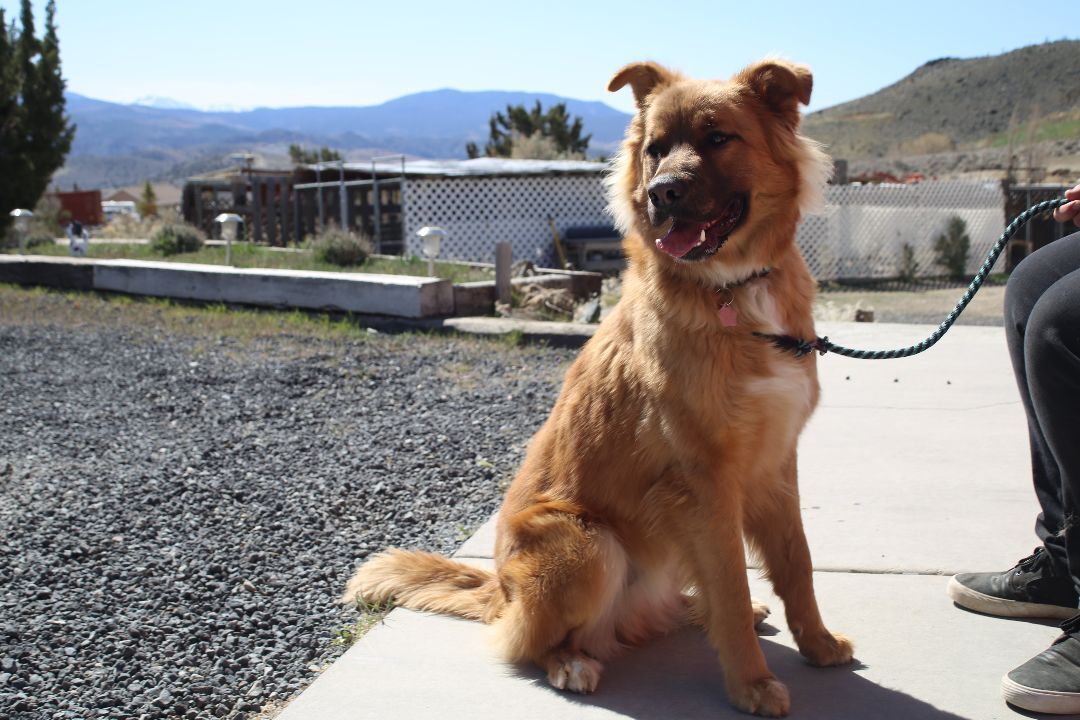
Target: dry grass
<point>246,255</point>
<point>924,306</point>
<point>36,306</point>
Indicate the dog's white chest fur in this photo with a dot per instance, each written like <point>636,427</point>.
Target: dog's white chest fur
<point>785,383</point>
<point>757,305</point>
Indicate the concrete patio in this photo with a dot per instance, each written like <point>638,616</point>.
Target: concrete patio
<point>911,470</point>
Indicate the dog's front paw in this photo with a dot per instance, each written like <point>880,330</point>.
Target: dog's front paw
<point>576,673</point>
<point>761,611</point>
<point>826,648</point>
<point>767,697</point>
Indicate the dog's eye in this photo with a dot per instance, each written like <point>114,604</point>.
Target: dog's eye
<point>652,151</point>
<point>718,138</point>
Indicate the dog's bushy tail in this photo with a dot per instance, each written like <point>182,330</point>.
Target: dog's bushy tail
<point>425,581</point>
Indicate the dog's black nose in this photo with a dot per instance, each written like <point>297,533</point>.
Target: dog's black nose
<point>666,191</point>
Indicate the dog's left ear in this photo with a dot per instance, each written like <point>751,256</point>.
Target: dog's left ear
<point>781,85</point>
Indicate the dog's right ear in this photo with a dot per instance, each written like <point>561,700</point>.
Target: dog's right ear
<point>643,78</point>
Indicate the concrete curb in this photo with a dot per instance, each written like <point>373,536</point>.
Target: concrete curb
<point>367,294</point>
<point>391,303</point>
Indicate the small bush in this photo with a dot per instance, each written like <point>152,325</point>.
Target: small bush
<point>341,248</point>
<point>37,239</point>
<point>34,238</point>
<point>176,239</point>
<point>908,269</point>
<point>951,248</point>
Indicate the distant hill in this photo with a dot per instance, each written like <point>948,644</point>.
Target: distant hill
<point>952,104</point>
<point>120,144</point>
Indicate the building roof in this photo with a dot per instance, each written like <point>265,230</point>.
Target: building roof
<point>121,195</point>
<point>166,193</point>
<point>414,168</point>
<point>479,167</point>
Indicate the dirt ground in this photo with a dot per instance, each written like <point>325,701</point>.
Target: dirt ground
<point>926,306</point>
<point>922,307</point>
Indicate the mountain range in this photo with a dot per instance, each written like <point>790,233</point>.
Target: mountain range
<point>971,107</point>
<point>118,144</point>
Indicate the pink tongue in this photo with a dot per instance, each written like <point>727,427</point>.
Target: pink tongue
<point>681,238</point>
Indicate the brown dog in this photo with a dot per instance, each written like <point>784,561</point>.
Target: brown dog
<point>674,436</point>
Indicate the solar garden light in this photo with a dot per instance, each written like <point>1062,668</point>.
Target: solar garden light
<point>22,225</point>
<point>230,224</point>
<point>432,237</point>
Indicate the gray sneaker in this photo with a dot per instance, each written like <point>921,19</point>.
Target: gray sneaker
<point>1032,589</point>
<point>1050,681</point>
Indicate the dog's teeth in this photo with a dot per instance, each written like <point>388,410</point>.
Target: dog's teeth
<point>701,240</point>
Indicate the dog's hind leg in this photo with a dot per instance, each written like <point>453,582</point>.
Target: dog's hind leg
<point>774,528</point>
<point>562,578</point>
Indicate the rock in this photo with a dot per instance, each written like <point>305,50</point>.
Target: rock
<point>588,312</point>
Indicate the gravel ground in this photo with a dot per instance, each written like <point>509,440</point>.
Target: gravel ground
<point>183,492</point>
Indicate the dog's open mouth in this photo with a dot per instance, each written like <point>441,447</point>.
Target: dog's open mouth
<point>693,241</point>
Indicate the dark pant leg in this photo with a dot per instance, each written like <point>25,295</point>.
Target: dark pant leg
<point>1042,352</point>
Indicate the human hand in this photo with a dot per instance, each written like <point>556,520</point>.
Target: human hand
<point>1070,210</point>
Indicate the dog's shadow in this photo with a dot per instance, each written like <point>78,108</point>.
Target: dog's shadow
<point>678,677</point>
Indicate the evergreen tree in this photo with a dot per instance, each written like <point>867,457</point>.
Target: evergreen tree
<point>951,248</point>
<point>26,43</point>
<point>301,156</point>
<point>47,127</point>
<point>552,129</point>
<point>148,201</point>
<point>12,165</point>
<point>35,132</point>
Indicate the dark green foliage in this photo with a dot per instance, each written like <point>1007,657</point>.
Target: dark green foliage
<point>342,248</point>
<point>176,239</point>
<point>951,248</point>
<point>555,124</point>
<point>909,267</point>
<point>37,239</point>
<point>148,202</point>
<point>35,132</point>
<point>301,156</point>
<point>9,123</point>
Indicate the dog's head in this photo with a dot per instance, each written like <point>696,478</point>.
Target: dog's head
<point>713,174</point>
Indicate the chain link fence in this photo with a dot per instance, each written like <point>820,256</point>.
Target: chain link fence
<point>871,232</point>
<point>888,231</point>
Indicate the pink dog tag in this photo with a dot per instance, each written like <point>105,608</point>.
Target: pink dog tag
<point>728,316</point>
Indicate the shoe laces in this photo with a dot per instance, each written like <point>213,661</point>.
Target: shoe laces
<point>1072,625</point>
<point>1034,561</point>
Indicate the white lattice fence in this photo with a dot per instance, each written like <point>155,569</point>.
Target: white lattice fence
<point>478,212</point>
<point>863,230</point>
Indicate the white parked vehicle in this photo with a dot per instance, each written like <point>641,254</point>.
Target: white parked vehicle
<point>116,208</point>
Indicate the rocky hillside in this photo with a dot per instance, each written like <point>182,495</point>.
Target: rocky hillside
<point>965,109</point>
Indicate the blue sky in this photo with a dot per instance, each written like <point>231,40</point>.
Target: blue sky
<point>283,53</point>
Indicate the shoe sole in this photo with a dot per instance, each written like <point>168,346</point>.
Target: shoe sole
<point>1040,701</point>
<point>988,604</point>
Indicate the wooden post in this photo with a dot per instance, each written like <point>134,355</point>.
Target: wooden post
<point>503,259</point>
<point>272,211</point>
<point>256,229</point>
<point>298,233</point>
<point>286,208</point>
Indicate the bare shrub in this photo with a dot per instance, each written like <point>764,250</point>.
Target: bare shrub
<point>341,247</point>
